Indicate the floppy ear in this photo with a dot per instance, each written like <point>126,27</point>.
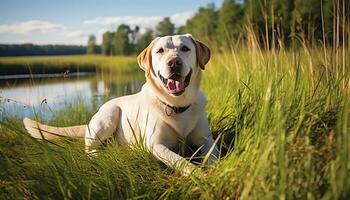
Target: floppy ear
<point>145,57</point>
<point>202,52</point>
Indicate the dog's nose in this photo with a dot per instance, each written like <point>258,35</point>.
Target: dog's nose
<point>174,62</point>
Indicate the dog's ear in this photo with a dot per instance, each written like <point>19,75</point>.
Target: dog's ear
<point>202,52</point>
<point>145,57</point>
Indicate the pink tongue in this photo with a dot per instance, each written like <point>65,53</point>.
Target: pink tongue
<point>175,85</point>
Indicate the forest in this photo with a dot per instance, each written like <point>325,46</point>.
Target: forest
<point>276,24</point>
<point>36,50</point>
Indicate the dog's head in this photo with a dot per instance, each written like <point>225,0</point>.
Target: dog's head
<point>173,64</point>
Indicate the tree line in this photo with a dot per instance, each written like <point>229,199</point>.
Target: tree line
<point>36,50</point>
<point>126,41</point>
<point>274,23</point>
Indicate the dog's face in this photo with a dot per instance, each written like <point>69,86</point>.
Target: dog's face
<point>173,62</point>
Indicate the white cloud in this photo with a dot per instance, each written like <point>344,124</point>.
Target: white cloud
<point>50,40</point>
<point>42,32</point>
<point>45,32</point>
<point>77,37</point>
<point>130,20</point>
<point>31,26</point>
<point>99,35</point>
<point>78,33</point>
<point>178,19</point>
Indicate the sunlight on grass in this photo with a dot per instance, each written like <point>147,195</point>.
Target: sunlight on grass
<point>59,64</point>
<point>280,116</point>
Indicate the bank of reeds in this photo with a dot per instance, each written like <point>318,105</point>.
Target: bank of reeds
<point>61,64</point>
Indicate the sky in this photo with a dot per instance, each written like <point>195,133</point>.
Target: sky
<point>72,21</point>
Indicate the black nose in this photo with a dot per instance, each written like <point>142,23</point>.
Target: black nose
<point>174,62</point>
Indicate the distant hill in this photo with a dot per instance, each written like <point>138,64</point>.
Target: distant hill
<point>40,50</point>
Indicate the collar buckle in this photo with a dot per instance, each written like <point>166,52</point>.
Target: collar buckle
<point>173,109</point>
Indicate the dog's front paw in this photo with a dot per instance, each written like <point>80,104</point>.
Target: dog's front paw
<point>189,170</point>
<point>90,151</point>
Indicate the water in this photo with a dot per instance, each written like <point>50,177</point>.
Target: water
<point>46,94</point>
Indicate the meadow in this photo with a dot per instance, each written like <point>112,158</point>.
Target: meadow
<point>55,64</point>
<point>280,118</point>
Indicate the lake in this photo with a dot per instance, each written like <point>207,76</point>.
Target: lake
<point>45,94</point>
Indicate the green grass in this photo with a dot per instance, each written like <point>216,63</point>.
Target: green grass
<point>59,64</point>
<point>285,114</point>
<point>281,119</point>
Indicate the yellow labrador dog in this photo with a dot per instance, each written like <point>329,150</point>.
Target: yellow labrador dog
<point>168,112</point>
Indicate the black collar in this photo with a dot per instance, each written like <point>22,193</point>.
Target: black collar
<point>174,109</point>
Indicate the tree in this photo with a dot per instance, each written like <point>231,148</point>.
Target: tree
<point>307,19</point>
<point>181,30</point>
<point>229,22</point>
<point>284,20</point>
<point>91,45</point>
<point>258,15</point>
<point>203,24</point>
<point>35,50</point>
<point>107,43</point>
<point>135,35</point>
<point>334,14</point>
<point>122,44</point>
<point>144,41</point>
<point>165,27</point>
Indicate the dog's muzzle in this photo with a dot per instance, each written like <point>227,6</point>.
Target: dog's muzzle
<point>176,84</point>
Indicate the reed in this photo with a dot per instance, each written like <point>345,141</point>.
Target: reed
<point>60,64</point>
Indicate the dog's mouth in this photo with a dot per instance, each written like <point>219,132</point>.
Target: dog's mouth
<point>176,84</point>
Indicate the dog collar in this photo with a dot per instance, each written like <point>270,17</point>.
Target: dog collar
<point>176,110</point>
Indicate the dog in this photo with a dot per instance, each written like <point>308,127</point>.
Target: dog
<point>166,115</point>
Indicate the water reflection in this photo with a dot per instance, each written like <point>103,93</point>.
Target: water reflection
<point>25,97</point>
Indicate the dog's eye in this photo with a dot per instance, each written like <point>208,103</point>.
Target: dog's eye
<point>161,50</point>
<point>185,48</point>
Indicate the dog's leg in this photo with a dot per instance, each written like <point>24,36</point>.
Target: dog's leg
<point>209,147</point>
<point>202,137</point>
<point>101,126</point>
<point>172,159</point>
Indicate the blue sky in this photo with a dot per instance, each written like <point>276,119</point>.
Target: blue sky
<point>71,21</point>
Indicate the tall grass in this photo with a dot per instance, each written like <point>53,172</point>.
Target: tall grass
<point>282,123</point>
<point>280,117</point>
<point>60,64</point>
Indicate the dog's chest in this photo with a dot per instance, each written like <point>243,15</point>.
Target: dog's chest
<point>144,123</point>
<point>182,123</point>
<point>147,116</point>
